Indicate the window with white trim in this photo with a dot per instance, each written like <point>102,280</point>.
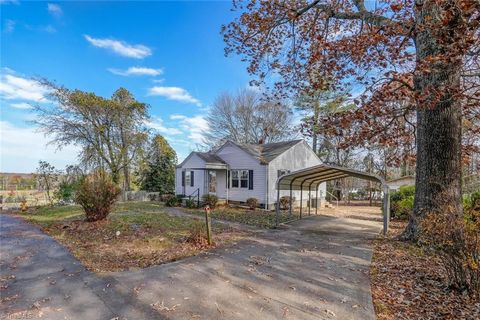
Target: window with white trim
<point>188,178</point>
<point>239,178</point>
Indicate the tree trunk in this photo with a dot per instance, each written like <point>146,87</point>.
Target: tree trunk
<point>116,176</point>
<point>126,177</point>
<point>439,130</point>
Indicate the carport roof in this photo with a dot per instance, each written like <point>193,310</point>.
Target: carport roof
<point>313,176</point>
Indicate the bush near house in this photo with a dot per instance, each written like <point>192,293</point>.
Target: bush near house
<point>252,203</point>
<point>210,200</point>
<point>97,194</point>
<point>191,203</point>
<point>173,201</point>
<point>401,202</point>
<point>284,202</point>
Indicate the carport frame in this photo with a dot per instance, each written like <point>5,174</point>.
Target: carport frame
<point>322,173</point>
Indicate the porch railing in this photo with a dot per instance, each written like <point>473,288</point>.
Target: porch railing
<point>195,194</point>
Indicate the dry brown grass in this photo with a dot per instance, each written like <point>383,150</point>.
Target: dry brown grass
<point>135,235</point>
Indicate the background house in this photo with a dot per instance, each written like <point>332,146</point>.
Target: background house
<point>240,171</point>
<point>395,184</point>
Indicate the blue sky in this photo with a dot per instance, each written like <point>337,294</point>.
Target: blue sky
<point>168,54</point>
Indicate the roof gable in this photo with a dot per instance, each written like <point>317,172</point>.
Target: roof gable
<point>264,153</point>
<point>207,157</point>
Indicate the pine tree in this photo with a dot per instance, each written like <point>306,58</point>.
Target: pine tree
<point>157,170</point>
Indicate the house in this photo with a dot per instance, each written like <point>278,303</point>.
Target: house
<point>236,172</point>
<point>395,184</point>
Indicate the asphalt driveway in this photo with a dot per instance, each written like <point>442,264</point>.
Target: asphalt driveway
<point>316,269</point>
<point>39,278</point>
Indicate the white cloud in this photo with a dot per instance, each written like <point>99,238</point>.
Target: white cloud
<point>195,126</point>
<point>23,147</point>
<point>174,93</point>
<point>22,105</point>
<point>49,29</point>
<point>122,48</point>
<point>157,124</point>
<point>55,10</point>
<point>9,26</point>
<point>177,117</point>
<point>15,87</point>
<point>137,71</point>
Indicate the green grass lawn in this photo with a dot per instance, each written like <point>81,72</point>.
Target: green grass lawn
<point>258,218</point>
<point>135,234</point>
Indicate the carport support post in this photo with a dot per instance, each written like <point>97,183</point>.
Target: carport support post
<point>277,209</point>
<point>301,199</point>
<point>291,200</point>
<point>386,209</point>
<point>316,201</point>
<point>309,198</point>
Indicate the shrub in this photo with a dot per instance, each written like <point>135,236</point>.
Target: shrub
<point>198,235</point>
<point>284,202</point>
<point>456,238</point>
<point>173,201</point>
<point>210,200</point>
<point>470,201</point>
<point>401,202</point>
<point>165,196</point>
<point>191,203</point>
<point>252,203</point>
<point>97,195</point>
<point>65,192</point>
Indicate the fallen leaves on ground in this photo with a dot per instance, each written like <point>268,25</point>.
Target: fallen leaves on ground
<point>409,282</point>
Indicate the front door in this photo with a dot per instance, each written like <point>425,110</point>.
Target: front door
<point>212,181</point>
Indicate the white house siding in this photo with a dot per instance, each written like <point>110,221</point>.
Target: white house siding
<point>239,159</point>
<point>300,156</point>
<point>191,163</point>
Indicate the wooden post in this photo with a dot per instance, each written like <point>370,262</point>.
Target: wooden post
<point>209,225</point>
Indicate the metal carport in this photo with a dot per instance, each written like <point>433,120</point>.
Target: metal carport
<point>310,178</point>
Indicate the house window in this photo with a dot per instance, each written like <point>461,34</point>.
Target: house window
<point>188,178</point>
<point>239,178</point>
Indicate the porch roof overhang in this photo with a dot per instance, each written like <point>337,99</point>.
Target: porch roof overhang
<point>208,166</point>
<point>310,178</point>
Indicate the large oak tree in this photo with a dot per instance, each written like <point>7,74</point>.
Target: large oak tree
<point>413,50</point>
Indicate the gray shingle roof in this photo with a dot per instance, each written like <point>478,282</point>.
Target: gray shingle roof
<point>268,151</point>
<point>210,157</point>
